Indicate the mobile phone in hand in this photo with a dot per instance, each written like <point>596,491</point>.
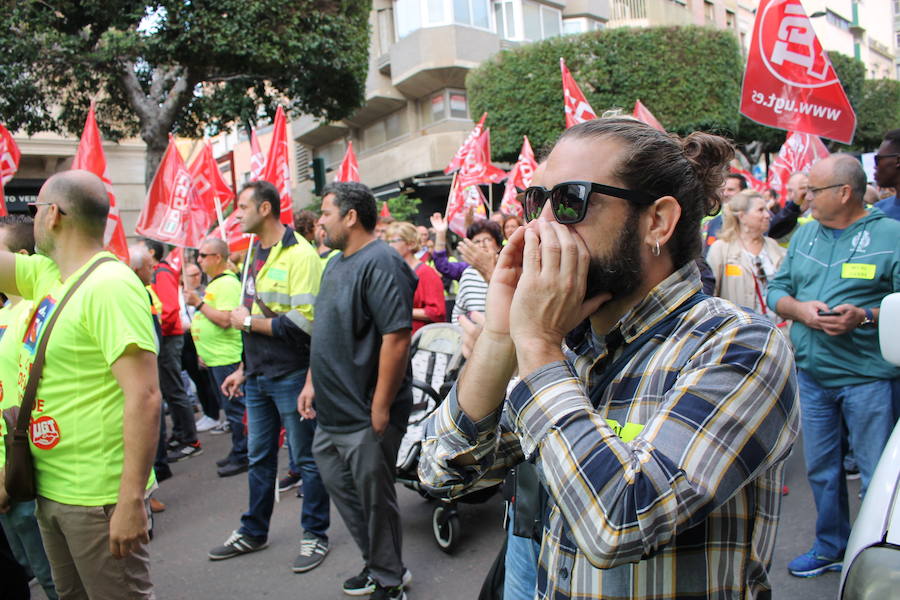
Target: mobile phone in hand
<point>829,313</point>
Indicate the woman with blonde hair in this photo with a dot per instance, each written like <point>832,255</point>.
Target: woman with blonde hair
<point>743,259</point>
<point>428,300</point>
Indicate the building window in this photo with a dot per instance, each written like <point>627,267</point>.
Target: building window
<point>385,29</point>
<point>540,22</point>
<point>505,18</point>
<point>581,25</point>
<point>445,104</point>
<point>412,15</point>
<point>391,127</point>
<point>472,12</point>
<point>729,19</point>
<point>709,11</point>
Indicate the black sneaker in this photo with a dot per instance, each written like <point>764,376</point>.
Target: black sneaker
<point>185,451</point>
<point>172,443</point>
<point>233,468</point>
<point>363,584</point>
<point>224,461</point>
<point>288,481</point>
<point>386,593</point>
<point>312,552</point>
<point>236,545</point>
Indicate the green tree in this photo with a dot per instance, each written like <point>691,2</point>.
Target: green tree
<point>174,66</point>
<point>878,112</point>
<point>522,91</point>
<point>403,207</point>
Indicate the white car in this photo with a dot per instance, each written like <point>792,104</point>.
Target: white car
<point>872,559</point>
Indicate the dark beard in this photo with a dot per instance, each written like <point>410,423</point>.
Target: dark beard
<point>619,274</point>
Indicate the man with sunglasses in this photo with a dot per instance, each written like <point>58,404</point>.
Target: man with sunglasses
<point>887,172</point>
<point>831,283</point>
<point>95,420</point>
<point>660,427</point>
<point>218,344</point>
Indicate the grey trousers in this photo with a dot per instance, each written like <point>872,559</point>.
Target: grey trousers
<point>358,470</point>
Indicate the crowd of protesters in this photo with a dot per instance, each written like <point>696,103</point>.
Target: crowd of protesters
<point>303,339</point>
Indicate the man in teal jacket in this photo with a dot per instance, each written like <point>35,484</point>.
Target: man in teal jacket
<point>837,270</point>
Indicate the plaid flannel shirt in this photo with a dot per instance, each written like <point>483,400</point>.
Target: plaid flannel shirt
<point>686,502</point>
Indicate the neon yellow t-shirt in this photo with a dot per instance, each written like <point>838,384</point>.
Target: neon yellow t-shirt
<point>217,346</point>
<point>76,424</point>
<point>13,321</point>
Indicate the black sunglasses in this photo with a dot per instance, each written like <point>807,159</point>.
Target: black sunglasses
<point>569,200</point>
<point>33,208</point>
<point>878,157</point>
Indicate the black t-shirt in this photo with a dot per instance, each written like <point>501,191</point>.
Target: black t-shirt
<point>362,297</point>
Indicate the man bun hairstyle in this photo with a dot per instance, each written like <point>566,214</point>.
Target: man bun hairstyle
<point>691,169</point>
<point>356,196</point>
<point>263,191</point>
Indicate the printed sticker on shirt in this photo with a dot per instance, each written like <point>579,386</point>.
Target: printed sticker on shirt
<point>44,432</point>
<point>626,433</point>
<point>733,271</point>
<point>33,333</point>
<point>278,274</point>
<point>857,271</point>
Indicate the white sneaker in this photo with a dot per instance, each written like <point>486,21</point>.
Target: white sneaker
<point>205,423</point>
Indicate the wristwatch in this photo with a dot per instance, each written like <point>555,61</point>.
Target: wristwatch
<point>246,326</point>
<point>869,321</point>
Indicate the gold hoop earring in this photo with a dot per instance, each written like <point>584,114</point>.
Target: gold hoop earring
<point>655,249</point>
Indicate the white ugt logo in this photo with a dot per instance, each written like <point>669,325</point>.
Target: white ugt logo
<point>797,30</point>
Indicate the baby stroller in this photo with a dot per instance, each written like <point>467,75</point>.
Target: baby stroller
<point>436,359</point>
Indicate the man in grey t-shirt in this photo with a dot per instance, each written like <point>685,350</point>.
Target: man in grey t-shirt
<point>359,380</point>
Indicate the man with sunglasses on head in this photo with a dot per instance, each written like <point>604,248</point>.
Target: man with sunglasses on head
<point>659,428</point>
<point>887,172</point>
<point>831,283</point>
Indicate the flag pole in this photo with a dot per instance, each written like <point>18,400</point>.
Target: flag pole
<point>450,195</point>
<point>221,220</point>
<point>247,265</point>
<point>490,199</point>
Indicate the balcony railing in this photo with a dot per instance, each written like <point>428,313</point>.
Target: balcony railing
<point>644,13</point>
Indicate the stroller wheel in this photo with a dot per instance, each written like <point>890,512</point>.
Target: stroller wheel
<point>445,523</point>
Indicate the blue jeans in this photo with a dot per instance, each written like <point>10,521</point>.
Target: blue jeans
<point>24,539</point>
<point>272,403</point>
<point>867,411</point>
<point>234,411</point>
<point>521,565</point>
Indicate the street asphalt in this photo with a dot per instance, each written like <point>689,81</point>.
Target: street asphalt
<point>203,509</point>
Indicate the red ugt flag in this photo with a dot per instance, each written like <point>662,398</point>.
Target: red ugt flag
<point>173,212</point>
<point>457,161</point>
<point>90,157</point>
<point>278,169</point>
<point>577,108</point>
<point>798,153</point>
<point>349,169</point>
<point>208,181</point>
<point>257,160</point>
<point>477,167</point>
<point>461,202</point>
<point>9,163</point>
<point>234,235</point>
<point>789,82</point>
<point>641,113</point>
<point>519,177</point>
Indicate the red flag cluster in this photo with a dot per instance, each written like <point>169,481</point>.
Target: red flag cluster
<point>90,157</point>
<point>519,178</point>
<point>208,181</point>
<point>473,159</point>
<point>789,82</point>
<point>174,213</point>
<point>797,154</point>
<point>9,163</point>
<point>349,169</point>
